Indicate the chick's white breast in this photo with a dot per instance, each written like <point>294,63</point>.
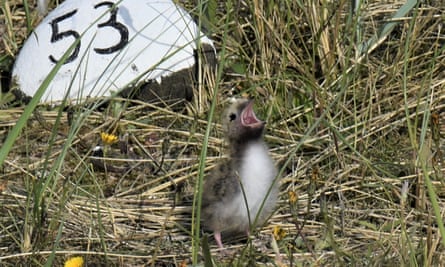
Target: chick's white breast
<point>257,173</point>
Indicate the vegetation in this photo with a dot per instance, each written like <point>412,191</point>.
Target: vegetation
<point>353,94</point>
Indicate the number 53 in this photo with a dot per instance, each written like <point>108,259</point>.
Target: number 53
<point>57,35</point>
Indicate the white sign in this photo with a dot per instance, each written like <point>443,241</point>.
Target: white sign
<point>120,41</point>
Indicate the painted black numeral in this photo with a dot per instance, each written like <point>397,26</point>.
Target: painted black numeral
<point>123,31</point>
<point>57,36</point>
<point>111,22</point>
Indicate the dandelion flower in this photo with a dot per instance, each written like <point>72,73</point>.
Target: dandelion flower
<point>278,233</point>
<point>108,139</point>
<point>74,262</point>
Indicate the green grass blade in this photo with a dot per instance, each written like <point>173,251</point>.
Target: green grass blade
<point>372,43</point>
<point>14,133</point>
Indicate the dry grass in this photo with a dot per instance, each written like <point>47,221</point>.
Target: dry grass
<point>348,130</point>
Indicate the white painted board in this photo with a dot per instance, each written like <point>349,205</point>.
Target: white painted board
<point>120,41</point>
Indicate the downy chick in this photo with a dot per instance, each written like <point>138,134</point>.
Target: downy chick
<point>245,177</point>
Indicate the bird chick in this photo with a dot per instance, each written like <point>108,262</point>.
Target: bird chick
<point>234,192</point>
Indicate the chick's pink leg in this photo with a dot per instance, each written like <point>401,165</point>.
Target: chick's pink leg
<point>217,236</point>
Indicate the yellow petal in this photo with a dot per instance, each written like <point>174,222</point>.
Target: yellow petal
<point>278,233</point>
<point>108,139</point>
<point>292,197</point>
<point>74,262</point>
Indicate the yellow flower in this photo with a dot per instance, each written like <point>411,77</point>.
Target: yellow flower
<point>292,197</point>
<point>278,233</point>
<point>74,262</point>
<point>108,139</point>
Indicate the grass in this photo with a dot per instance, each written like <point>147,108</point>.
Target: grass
<point>357,134</point>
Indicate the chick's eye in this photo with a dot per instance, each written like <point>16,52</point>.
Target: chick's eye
<point>232,116</point>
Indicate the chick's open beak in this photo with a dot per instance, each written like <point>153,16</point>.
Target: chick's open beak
<point>248,117</point>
